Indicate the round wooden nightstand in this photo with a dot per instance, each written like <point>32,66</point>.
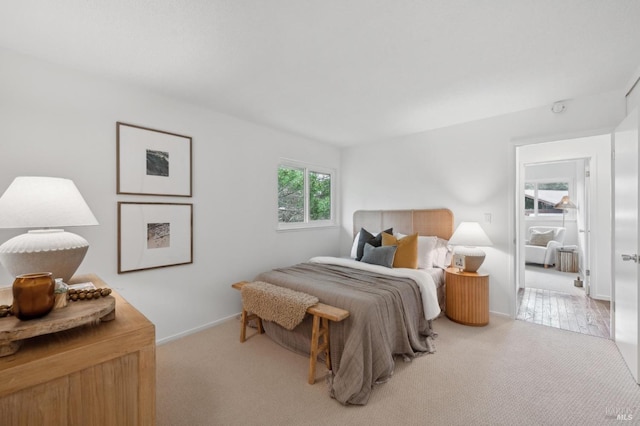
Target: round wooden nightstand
<point>467,297</point>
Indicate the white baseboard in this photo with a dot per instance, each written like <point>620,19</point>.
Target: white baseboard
<point>196,330</point>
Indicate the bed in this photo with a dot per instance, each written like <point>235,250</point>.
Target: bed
<point>391,309</point>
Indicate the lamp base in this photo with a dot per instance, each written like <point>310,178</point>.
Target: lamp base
<point>473,257</point>
<point>47,250</point>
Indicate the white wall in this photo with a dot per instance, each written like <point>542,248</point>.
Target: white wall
<point>56,122</point>
<point>468,168</point>
<point>633,99</point>
<point>633,89</point>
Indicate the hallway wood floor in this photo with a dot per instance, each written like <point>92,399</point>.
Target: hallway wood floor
<point>565,311</point>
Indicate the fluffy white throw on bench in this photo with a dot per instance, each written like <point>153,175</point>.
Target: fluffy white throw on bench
<point>278,304</point>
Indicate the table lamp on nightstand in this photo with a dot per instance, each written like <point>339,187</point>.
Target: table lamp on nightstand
<point>44,202</point>
<point>467,237</point>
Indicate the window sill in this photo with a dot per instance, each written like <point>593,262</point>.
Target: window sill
<point>547,219</point>
<point>305,227</point>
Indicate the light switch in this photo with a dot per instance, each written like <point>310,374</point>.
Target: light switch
<point>487,217</point>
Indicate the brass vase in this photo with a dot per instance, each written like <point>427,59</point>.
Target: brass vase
<point>33,295</point>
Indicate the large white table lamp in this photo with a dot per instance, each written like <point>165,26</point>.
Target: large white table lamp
<point>466,238</point>
<point>45,203</point>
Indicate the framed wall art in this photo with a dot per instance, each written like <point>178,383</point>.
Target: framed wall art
<point>154,235</point>
<point>458,261</point>
<point>152,162</point>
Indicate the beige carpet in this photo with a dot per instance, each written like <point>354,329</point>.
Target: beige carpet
<point>508,373</point>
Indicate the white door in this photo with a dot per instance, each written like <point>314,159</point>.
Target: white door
<point>582,221</point>
<point>625,262</point>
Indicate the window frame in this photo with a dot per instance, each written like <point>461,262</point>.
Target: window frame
<point>307,223</point>
<point>551,216</point>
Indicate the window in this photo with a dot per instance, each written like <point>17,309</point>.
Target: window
<point>305,196</point>
<point>541,197</point>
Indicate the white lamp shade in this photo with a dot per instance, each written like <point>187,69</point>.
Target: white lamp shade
<point>43,202</point>
<point>470,234</point>
<point>565,203</point>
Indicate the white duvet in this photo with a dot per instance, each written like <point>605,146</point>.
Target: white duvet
<point>422,278</point>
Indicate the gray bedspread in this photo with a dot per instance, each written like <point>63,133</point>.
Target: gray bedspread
<point>386,319</point>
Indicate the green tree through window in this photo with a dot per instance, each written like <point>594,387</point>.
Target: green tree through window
<point>319,196</point>
<point>305,195</point>
<point>290,195</point>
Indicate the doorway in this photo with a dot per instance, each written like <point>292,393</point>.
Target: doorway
<point>568,286</point>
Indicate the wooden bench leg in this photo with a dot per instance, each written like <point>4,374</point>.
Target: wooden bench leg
<point>243,326</point>
<point>246,317</point>
<point>315,331</point>
<point>325,335</point>
<point>318,331</point>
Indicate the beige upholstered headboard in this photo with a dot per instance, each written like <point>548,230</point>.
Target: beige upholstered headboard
<point>438,222</point>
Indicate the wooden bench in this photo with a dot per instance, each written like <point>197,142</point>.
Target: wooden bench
<point>322,314</point>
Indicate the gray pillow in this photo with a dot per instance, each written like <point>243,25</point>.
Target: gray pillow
<point>367,237</point>
<point>382,256</point>
<point>541,238</point>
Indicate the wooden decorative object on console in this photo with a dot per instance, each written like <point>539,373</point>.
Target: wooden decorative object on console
<point>14,331</point>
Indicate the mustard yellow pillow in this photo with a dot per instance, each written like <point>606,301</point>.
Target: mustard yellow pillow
<point>407,251</point>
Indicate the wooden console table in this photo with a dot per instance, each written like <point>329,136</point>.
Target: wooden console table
<point>95,374</point>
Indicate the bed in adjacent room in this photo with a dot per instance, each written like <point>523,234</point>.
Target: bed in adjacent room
<point>391,304</point>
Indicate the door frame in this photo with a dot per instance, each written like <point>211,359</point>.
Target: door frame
<point>585,162</point>
<point>599,152</point>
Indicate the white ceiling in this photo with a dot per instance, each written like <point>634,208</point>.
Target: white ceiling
<point>342,71</point>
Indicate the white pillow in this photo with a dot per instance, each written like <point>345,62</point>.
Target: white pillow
<point>539,238</point>
<point>442,254</point>
<point>354,246</point>
<point>426,246</point>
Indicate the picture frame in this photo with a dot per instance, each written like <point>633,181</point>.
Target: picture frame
<point>154,235</point>
<point>152,162</point>
<point>459,262</point>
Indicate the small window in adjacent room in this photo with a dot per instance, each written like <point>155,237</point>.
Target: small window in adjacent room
<point>540,198</point>
<point>305,196</point>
